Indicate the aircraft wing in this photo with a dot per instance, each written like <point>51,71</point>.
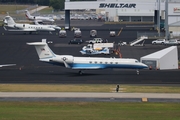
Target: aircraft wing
<point>81,66</point>
<point>87,68</point>
<point>7,65</point>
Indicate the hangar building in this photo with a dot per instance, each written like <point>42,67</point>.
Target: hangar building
<point>130,10</point>
<point>163,59</point>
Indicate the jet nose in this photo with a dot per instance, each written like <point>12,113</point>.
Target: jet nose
<point>144,65</point>
<point>51,29</point>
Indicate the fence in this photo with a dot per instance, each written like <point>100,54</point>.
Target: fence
<point>151,35</point>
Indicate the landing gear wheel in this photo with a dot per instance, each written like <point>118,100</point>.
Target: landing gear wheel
<point>137,71</point>
<point>80,72</point>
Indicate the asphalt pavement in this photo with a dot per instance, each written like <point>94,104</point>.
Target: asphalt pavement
<point>28,69</point>
<point>89,97</point>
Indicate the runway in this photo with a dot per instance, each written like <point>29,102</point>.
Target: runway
<point>28,69</point>
<point>93,97</point>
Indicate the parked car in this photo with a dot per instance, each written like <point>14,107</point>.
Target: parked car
<point>158,41</point>
<point>96,40</point>
<point>112,33</point>
<point>172,42</point>
<point>93,33</point>
<point>76,41</point>
<point>121,43</point>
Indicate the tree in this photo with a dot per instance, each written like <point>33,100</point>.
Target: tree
<point>57,4</point>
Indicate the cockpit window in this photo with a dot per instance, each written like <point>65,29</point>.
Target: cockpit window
<point>136,61</point>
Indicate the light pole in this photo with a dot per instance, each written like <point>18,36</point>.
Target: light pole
<point>166,20</point>
<point>16,5</point>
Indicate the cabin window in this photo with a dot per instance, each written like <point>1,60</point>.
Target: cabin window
<point>106,62</point>
<point>95,62</point>
<point>90,61</point>
<point>116,62</point>
<point>23,25</point>
<point>100,62</point>
<point>111,62</point>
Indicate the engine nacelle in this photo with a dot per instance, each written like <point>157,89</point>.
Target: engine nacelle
<point>63,58</point>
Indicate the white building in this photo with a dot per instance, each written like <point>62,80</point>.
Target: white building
<point>133,13</point>
<point>163,59</point>
<point>130,10</point>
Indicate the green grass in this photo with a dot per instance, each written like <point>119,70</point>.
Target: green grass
<point>88,111</point>
<point>12,8</point>
<point>7,8</point>
<point>46,10</point>
<point>87,88</point>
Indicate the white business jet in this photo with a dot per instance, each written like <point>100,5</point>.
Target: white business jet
<point>38,18</point>
<point>51,26</point>
<point>84,63</point>
<point>7,65</point>
<point>9,22</point>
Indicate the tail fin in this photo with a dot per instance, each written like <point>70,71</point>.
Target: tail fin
<point>43,49</point>
<point>8,20</point>
<point>28,15</point>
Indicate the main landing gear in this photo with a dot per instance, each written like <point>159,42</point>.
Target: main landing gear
<point>80,72</point>
<point>137,71</point>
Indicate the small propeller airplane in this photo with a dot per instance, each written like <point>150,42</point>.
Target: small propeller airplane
<point>84,63</point>
<point>9,22</point>
<point>91,51</point>
<point>39,19</point>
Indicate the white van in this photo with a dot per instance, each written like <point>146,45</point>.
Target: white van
<point>62,33</point>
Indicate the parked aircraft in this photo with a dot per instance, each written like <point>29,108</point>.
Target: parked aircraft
<point>83,63</point>
<point>51,26</point>
<point>38,18</point>
<point>9,22</point>
<point>7,65</point>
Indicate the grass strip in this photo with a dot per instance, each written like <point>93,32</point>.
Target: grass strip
<point>7,8</point>
<point>87,88</point>
<point>88,111</point>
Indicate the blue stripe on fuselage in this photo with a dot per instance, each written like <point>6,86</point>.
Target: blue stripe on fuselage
<point>103,66</point>
<point>100,66</point>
